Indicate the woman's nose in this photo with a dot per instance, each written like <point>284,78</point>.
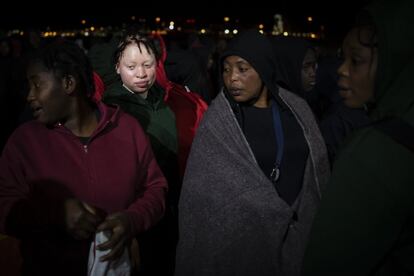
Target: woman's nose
<point>141,72</point>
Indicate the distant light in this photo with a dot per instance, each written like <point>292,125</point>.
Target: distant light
<point>179,29</point>
<point>171,27</point>
<point>261,31</point>
<point>83,21</point>
<point>285,33</point>
<point>133,18</point>
<point>235,31</point>
<point>226,31</point>
<point>21,33</point>
<point>86,34</point>
<point>226,19</point>
<point>310,19</point>
<point>172,23</point>
<point>15,32</point>
<point>157,19</point>
<point>92,28</point>
<point>261,26</point>
<point>313,35</point>
<point>203,31</point>
<point>160,32</point>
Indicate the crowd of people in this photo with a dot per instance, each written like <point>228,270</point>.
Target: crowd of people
<point>263,157</point>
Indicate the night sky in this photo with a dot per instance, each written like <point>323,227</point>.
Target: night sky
<point>336,17</point>
<point>329,12</point>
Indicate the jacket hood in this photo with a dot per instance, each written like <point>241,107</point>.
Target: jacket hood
<point>257,50</point>
<point>108,114</point>
<point>290,53</point>
<point>394,25</point>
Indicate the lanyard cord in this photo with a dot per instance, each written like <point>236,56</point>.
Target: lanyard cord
<point>277,123</point>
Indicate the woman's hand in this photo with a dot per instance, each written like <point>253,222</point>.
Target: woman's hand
<point>119,226</point>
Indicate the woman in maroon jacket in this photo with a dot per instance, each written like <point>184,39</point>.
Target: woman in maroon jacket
<point>77,169</point>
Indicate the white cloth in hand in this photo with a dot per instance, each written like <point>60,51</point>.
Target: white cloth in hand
<point>120,267</point>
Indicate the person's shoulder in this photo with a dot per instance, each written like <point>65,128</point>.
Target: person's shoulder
<point>113,112</point>
<point>296,103</point>
<point>113,90</point>
<point>374,143</point>
<point>121,121</point>
<point>125,119</point>
<point>369,152</point>
<point>289,96</point>
<point>30,127</point>
<point>28,131</point>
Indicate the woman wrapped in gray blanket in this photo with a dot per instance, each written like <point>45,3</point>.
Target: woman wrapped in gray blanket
<point>254,176</point>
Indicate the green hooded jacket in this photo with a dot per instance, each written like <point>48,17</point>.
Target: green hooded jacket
<point>155,117</point>
<point>365,225</point>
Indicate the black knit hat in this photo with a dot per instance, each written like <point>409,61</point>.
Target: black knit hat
<point>256,49</point>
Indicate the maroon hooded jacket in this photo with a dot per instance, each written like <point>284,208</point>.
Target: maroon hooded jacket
<point>41,166</point>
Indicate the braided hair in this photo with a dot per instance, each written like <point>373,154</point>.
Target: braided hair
<point>133,36</point>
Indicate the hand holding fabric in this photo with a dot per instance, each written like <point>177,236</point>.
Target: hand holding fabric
<point>119,225</point>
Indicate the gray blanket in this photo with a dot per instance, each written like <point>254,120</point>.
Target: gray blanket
<point>231,219</point>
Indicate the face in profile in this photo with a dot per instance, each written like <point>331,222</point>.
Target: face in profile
<point>46,97</point>
<point>308,72</point>
<point>137,68</point>
<point>357,72</point>
<point>243,82</point>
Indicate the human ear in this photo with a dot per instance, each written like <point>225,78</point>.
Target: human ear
<point>69,84</point>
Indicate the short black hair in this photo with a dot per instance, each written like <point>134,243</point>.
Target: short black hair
<point>65,58</point>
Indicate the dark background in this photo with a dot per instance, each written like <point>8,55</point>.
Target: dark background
<point>66,14</point>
